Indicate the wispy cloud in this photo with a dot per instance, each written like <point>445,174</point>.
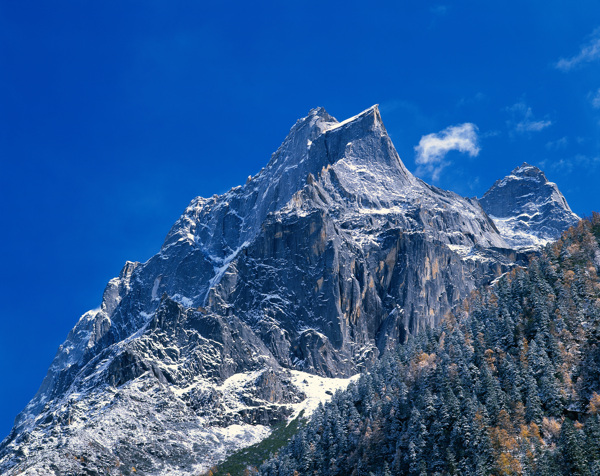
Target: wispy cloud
<point>595,99</point>
<point>470,100</point>
<point>570,164</point>
<point>557,144</point>
<point>522,120</point>
<point>587,53</point>
<point>439,10</point>
<point>432,149</point>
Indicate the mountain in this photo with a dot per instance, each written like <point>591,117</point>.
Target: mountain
<point>260,302</point>
<point>508,384</point>
<point>528,210</point>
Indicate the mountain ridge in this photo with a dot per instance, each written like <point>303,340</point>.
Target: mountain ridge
<point>330,255</point>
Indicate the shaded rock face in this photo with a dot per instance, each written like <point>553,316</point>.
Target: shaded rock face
<point>528,209</point>
<point>330,255</point>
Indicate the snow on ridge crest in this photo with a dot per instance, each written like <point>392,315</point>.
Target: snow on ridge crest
<point>313,143</point>
<point>528,210</point>
<point>525,167</point>
<point>373,110</point>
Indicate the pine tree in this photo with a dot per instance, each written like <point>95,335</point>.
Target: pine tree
<point>533,407</point>
<point>571,453</point>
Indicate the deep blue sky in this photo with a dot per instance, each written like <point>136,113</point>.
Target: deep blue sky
<point>115,114</point>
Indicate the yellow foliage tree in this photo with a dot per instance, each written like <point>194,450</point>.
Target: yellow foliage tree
<point>594,406</point>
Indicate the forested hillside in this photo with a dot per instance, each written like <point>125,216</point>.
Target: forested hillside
<point>509,384</point>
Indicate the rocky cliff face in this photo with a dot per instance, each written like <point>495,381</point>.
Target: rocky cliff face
<point>327,257</point>
<point>528,210</point>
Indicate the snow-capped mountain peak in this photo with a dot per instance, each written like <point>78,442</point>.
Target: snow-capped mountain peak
<point>528,209</point>
<point>329,256</point>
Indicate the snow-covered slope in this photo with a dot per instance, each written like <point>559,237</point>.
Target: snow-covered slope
<point>328,256</point>
<point>528,210</point>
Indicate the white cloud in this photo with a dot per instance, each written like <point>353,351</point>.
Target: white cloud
<point>523,121</point>
<point>587,53</point>
<point>432,149</point>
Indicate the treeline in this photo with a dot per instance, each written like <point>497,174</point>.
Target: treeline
<point>509,384</point>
